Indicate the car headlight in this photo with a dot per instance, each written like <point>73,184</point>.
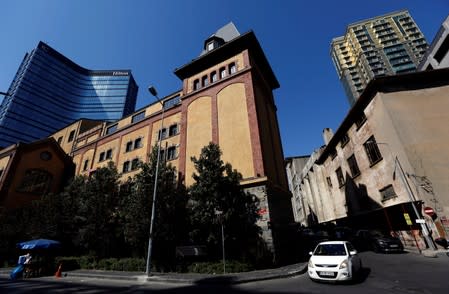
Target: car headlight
<point>381,242</point>
<point>344,264</point>
<point>311,264</point>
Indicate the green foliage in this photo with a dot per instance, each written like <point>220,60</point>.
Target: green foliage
<point>232,266</point>
<point>110,264</point>
<point>217,197</point>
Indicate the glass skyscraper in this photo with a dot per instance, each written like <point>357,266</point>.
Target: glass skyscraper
<point>50,91</point>
<point>384,45</point>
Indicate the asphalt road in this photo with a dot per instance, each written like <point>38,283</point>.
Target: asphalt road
<point>392,273</point>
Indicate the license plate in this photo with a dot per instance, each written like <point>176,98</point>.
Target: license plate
<point>394,246</point>
<point>330,274</point>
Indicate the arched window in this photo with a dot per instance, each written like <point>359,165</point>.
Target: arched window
<point>222,72</point>
<point>232,68</point>
<point>204,81</point>
<point>213,77</point>
<point>35,181</point>
<point>196,84</point>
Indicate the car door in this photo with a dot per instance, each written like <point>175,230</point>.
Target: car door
<point>354,260</point>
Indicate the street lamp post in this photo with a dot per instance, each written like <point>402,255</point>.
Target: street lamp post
<point>412,197</point>
<point>153,92</point>
<point>219,214</point>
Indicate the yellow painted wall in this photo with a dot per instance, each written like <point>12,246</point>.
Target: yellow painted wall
<point>239,63</point>
<point>88,155</point>
<point>199,132</point>
<point>3,164</point>
<point>64,133</point>
<point>233,129</point>
<point>114,145</point>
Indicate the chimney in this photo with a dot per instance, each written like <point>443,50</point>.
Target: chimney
<point>327,135</point>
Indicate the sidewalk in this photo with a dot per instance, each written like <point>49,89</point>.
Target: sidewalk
<point>232,278</point>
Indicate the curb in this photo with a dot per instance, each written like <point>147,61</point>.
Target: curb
<point>200,279</point>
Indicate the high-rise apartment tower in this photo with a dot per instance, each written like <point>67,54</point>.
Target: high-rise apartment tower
<point>379,46</point>
<point>50,91</point>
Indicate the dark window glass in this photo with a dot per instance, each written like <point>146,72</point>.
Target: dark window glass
<point>173,130</point>
<point>102,154</point>
<point>372,150</point>
<point>164,134</point>
<point>340,177</point>
<point>353,166</point>
<point>232,68</point>
<point>222,72</point>
<point>71,136</point>
<point>35,181</point>
<point>125,166</point>
<point>162,155</point>
<point>59,140</point>
<point>171,153</point>
<point>109,154</point>
<point>134,164</point>
<point>333,153</point>
<point>329,182</point>
<point>360,120</point>
<point>213,76</point>
<point>86,164</point>
<point>387,193</point>
<point>111,129</point>
<point>172,102</point>
<point>129,146</point>
<point>138,117</point>
<point>344,140</point>
<point>196,84</point>
<point>442,51</point>
<point>137,143</point>
<point>204,81</point>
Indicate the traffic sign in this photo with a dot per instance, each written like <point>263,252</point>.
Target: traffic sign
<point>429,211</point>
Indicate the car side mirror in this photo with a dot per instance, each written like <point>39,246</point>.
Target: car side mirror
<point>310,253</point>
<point>353,252</point>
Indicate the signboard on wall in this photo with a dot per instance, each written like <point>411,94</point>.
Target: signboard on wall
<point>407,219</point>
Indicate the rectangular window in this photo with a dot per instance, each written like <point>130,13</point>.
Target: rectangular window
<point>372,151</point>
<point>137,143</point>
<point>125,166</point>
<point>340,177</point>
<point>111,129</point>
<point>129,146</point>
<point>353,166</point>
<point>162,133</point>
<point>329,182</point>
<point>59,140</point>
<point>387,193</point>
<point>134,164</point>
<point>333,153</point>
<point>442,51</point>
<point>138,117</point>
<point>71,136</point>
<point>360,120</point>
<point>86,164</point>
<point>109,154</point>
<point>1,172</point>
<point>172,102</point>
<point>344,140</point>
<point>173,130</point>
<point>162,155</point>
<point>102,154</point>
<point>171,153</point>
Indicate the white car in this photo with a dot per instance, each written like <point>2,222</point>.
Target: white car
<point>334,261</point>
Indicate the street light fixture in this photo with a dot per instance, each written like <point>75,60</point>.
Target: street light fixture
<point>153,92</point>
<point>412,197</point>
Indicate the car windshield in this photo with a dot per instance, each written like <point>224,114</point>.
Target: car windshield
<point>377,234</point>
<point>330,250</point>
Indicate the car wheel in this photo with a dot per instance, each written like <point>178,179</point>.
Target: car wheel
<point>376,248</point>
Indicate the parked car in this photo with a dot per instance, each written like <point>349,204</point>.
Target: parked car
<point>310,238</point>
<point>334,261</point>
<point>342,234</point>
<point>378,241</point>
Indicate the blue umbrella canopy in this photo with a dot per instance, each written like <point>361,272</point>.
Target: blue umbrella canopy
<point>39,244</point>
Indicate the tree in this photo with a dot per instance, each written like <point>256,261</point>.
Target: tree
<point>98,212</point>
<point>169,223</point>
<point>217,189</point>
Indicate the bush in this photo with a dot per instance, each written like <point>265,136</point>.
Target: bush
<point>232,266</point>
<point>69,263</point>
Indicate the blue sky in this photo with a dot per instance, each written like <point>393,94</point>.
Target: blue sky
<point>152,38</point>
